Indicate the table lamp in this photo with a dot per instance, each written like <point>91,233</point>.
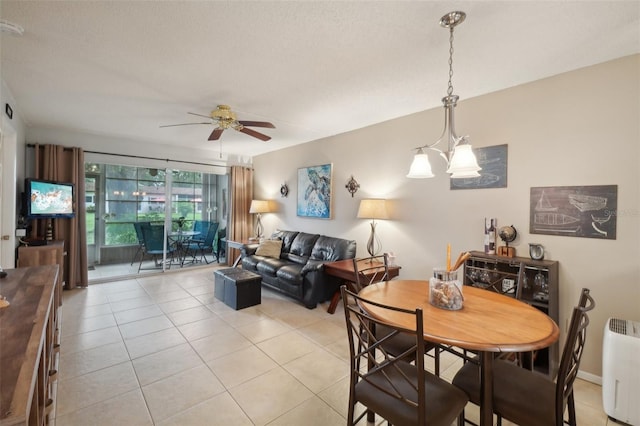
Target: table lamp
<point>258,207</point>
<point>373,209</point>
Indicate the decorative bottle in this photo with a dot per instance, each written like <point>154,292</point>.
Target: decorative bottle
<point>490,235</point>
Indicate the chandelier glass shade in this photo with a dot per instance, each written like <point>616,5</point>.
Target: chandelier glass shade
<point>461,161</point>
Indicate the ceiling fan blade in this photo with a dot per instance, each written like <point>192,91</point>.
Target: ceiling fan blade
<point>215,135</point>
<point>199,115</point>
<point>254,134</point>
<point>182,124</point>
<point>257,124</point>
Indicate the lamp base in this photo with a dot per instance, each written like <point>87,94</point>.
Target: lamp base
<point>373,244</point>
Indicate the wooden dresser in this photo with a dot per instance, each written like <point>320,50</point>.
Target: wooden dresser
<point>29,343</point>
<point>50,254</point>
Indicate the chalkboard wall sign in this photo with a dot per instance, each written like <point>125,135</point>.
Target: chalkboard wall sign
<point>493,161</point>
<point>574,211</point>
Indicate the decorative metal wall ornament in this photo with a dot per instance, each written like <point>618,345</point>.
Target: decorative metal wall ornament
<point>284,190</point>
<point>352,186</point>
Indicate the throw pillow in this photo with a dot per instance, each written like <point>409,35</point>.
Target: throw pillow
<point>270,248</point>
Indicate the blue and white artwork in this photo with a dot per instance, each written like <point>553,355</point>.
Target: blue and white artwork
<point>314,191</point>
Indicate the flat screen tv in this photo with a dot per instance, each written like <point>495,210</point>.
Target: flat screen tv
<point>48,199</point>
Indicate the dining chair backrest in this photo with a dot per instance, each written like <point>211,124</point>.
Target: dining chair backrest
<point>370,270</point>
<point>153,237</point>
<point>394,386</point>
<point>363,343</point>
<point>572,352</point>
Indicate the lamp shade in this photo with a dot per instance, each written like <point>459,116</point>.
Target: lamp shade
<point>463,163</point>
<point>260,206</point>
<point>420,167</point>
<point>373,209</point>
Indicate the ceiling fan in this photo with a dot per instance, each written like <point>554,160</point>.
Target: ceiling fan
<point>224,118</point>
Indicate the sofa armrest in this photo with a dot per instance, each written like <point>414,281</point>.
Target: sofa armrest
<point>248,249</point>
<point>312,265</point>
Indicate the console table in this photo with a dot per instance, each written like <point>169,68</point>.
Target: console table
<point>30,342</point>
<point>343,269</point>
<point>239,245</point>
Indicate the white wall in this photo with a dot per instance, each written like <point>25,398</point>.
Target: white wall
<point>578,128</point>
<point>12,178</point>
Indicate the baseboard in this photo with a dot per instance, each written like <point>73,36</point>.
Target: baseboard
<point>590,377</point>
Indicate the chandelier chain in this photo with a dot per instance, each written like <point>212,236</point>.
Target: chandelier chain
<point>450,86</point>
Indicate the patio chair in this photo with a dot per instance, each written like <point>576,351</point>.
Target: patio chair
<point>140,249</point>
<point>194,247</point>
<point>401,392</point>
<point>153,240</point>
<point>526,397</point>
<point>221,247</point>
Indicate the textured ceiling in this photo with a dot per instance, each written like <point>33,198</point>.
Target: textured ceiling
<point>314,69</point>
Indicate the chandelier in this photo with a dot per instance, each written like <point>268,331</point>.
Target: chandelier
<point>461,161</point>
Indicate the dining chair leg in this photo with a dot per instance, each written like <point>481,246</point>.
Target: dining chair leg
<point>499,422</point>
<point>436,353</point>
<point>571,407</point>
<point>461,419</point>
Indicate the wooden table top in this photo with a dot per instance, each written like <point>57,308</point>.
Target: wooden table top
<point>344,269</point>
<point>488,321</point>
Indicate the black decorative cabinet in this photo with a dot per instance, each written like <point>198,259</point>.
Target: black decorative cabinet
<point>534,282</point>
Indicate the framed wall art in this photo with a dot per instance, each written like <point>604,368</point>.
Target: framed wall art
<point>574,211</point>
<point>315,192</point>
<point>493,161</point>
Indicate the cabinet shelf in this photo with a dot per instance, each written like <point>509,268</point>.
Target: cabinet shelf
<point>534,282</point>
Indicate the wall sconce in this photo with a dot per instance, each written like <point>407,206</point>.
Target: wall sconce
<point>258,207</point>
<point>373,209</point>
<point>461,162</point>
<point>352,186</point>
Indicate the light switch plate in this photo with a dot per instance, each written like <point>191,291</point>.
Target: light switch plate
<point>21,232</point>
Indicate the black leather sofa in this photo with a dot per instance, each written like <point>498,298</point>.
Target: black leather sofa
<point>299,272</point>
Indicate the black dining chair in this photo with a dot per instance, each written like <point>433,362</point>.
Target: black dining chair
<point>526,397</point>
<point>375,269</point>
<point>400,391</point>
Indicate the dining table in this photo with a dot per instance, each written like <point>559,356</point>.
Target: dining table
<point>488,323</point>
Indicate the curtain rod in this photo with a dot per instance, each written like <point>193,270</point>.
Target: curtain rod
<point>143,157</point>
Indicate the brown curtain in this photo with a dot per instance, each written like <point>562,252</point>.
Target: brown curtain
<point>240,226</point>
<point>55,162</point>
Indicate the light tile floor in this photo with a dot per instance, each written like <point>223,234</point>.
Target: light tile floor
<point>161,350</point>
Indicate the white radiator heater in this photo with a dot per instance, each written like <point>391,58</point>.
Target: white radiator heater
<point>621,370</point>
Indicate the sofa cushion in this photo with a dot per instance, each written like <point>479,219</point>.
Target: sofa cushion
<point>302,244</point>
<point>270,248</point>
<point>287,238</point>
<point>291,273</point>
<point>269,266</point>
<point>332,249</point>
<point>251,262</point>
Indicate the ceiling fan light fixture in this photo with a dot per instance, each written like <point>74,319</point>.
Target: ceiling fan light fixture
<point>223,118</point>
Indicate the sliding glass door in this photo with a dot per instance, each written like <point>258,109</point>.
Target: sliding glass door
<point>123,197</point>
